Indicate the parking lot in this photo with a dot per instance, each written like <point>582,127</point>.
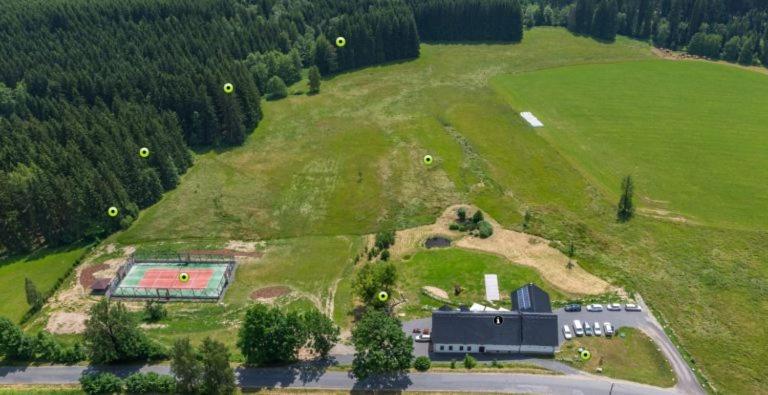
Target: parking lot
<point>635,319</point>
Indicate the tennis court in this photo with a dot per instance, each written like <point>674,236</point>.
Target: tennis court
<point>186,280</point>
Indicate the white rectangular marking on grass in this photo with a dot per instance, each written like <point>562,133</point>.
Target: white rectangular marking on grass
<point>491,288</point>
<point>532,120</point>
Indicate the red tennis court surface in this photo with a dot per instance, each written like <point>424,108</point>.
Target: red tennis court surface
<point>169,278</point>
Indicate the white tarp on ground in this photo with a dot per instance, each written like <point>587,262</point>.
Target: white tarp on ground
<point>491,288</point>
<point>479,307</point>
<point>532,120</point>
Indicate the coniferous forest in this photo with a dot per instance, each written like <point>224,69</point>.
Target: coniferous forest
<point>732,30</point>
<point>85,84</point>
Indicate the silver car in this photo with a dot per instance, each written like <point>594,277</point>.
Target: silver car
<point>608,329</point>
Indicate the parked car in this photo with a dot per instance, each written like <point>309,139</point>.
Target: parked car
<point>573,307</point>
<point>416,330</point>
<point>608,329</point>
<point>578,328</point>
<point>598,329</point>
<point>423,338</point>
<point>567,332</point>
<point>594,307</point>
<point>587,329</point>
<point>425,331</point>
<point>614,307</point>
<point>632,307</point>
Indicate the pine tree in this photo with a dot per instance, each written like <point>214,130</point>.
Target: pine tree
<point>604,21</point>
<point>34,300</point>
<point>626,207</point>
<point>314,80</point>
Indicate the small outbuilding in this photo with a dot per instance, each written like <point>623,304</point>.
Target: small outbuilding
<point>100,286</point>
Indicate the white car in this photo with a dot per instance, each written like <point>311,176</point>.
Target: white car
<point>423,338</point>
<point>598,329</point>
<point>594,307</point>
<point>587,329</point>
<point>567,332</point>
<point>632,307</point>
<point>613,307</point>
<point>578,328</point>
<point>608,329</point>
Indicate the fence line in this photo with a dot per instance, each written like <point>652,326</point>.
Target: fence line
<point>171,293</point>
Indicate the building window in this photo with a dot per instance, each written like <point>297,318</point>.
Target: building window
<point>461,348</point>
<point>450,348</point>
<point>442,348</point>
<point>469,348</point>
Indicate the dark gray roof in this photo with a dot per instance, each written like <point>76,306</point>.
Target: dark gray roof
<point>530,298</point>
<point>540,329</point>
<point>476,327</point>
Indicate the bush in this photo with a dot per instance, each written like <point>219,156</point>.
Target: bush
<point>453,226</point>
<point>101,383</point>
<point>453,364</point>
<point>422,364</point>
<point>462,214</point>
<point>385,255</point>
<point>150,383</point>
<point>469,361</point>
<point>154,311</point>
<point>276,88</point>
<point>485,229</point>
<point>385,239</point>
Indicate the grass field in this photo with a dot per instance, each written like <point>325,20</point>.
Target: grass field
<point>44,268</point>
<point>348,162</point>
<point>634,357</point>
<point>692,133</point>
<point>444,268</point>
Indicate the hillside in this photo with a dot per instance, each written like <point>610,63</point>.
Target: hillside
<point>348,162</point>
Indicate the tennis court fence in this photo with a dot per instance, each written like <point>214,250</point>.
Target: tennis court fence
<point>118,290</point>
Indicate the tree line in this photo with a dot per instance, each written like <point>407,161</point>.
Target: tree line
<point>733,30</point>
<point>456,20</point>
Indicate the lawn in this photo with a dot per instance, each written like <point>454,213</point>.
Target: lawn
<point>44,268</point>
<point>691,133</point>
<point>348,162</point>
<point>634,357</point>
<point>444,268</point>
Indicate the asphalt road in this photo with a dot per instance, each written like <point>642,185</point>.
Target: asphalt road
<point>313,376</point>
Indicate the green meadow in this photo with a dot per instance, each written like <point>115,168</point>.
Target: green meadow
<point>322,170</point>
<point>44,268</point>
<point>693,134</point>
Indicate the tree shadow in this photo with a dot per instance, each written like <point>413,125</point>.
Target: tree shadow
<point>389,383</point>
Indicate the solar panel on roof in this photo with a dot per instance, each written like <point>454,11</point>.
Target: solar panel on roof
<point>523,299</point>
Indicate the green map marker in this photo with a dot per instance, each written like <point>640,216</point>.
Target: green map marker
<point>229,88</point>
<point>341,42</point>
<point>112,211</point>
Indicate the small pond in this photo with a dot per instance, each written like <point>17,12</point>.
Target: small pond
<point>437,242</point>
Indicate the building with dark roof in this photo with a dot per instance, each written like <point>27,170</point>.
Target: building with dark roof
<point>531,328</point>
<point>532,299</point>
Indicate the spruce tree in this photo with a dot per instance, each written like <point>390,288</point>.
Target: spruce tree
<point>604,21</point>
<point>626,208</point>
<point>314,80</point>
<point>34,300</point>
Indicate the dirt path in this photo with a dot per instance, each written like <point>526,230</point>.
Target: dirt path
<point>675,55</point>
